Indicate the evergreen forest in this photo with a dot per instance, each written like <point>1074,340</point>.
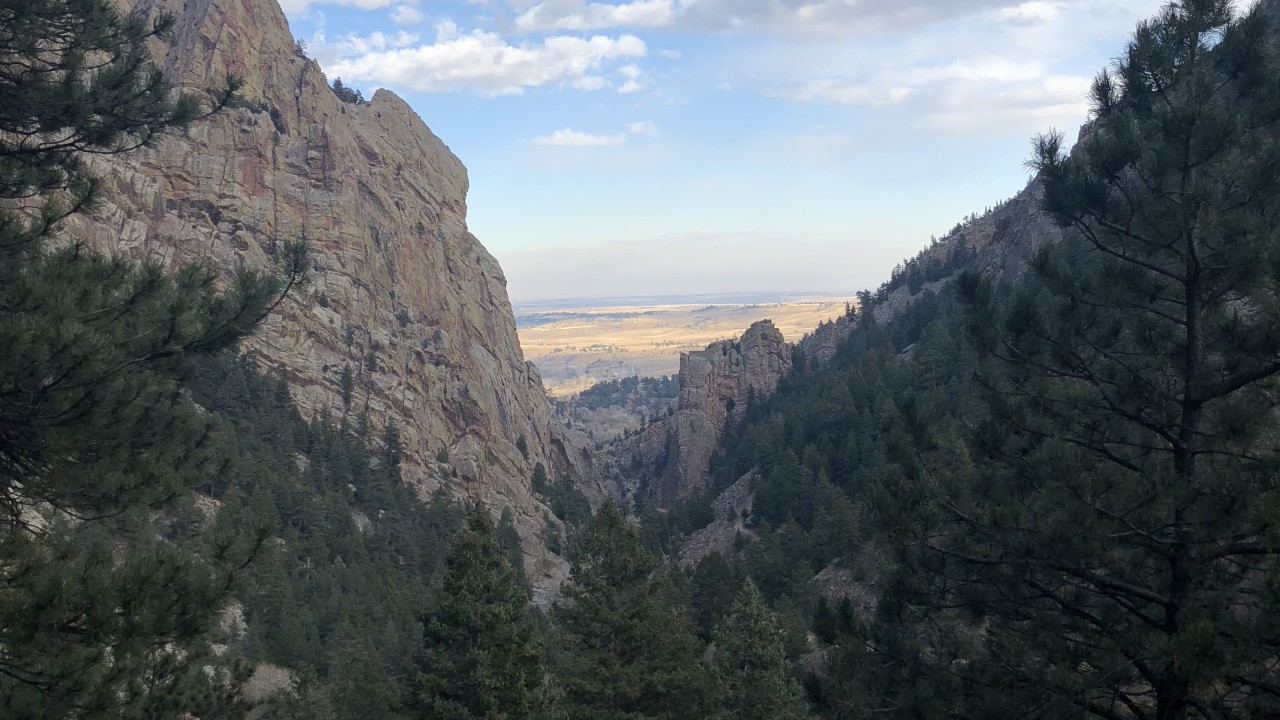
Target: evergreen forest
<point>1049,494</point>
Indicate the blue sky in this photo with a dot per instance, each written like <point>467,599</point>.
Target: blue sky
<point>683,146</point>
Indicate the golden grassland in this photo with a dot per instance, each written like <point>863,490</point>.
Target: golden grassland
<point>574,348</point>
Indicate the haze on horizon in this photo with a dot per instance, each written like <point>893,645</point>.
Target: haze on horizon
<point>655,147</point>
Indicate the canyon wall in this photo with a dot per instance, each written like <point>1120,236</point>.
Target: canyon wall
<point>400,291</point>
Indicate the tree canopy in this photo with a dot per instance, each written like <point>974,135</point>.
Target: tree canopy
<point>481,656</point>
<point>627,648</point>
<point>1119,540</point>
<point>755,677</point>
<point>99,614</point>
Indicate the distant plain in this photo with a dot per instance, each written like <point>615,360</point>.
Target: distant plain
<point>579,342</point>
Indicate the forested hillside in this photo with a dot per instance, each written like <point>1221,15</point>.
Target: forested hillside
<point>1046,494</point>
<point>180,540</point>
<point>406,315</point>
<point>616,408</point>
<point>1054,496</point>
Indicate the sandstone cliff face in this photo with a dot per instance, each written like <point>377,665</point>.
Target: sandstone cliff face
<point>714,386</point>
<point>401,291</point>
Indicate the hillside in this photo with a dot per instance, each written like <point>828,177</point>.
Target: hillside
<point>401,293</point>
<point>270,448</point>
<point>978,484</point>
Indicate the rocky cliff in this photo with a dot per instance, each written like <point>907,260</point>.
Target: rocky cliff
<point>401,292</point>
<point>821,344</point>
<point>673,454</point>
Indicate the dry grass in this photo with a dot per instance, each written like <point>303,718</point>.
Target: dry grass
<point>576,348</point>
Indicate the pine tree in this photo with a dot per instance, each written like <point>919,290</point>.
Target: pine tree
<point>715,585</point>
<point>755,677</point>
<point>628,651</point>
<point>346,384</point>
<point>358,675</point>
<point>98,617</point>
<point>480,655</point>
<point>1118,545</point>
<point>509,539</point>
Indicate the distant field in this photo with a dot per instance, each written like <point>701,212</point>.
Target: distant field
<point>575,347</point>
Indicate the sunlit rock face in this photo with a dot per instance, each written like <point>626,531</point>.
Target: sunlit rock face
<point>400,291</point>
<point>715,385</point>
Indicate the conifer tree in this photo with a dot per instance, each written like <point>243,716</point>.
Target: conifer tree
<point>628,652</point>
<point>480,655</point>
<point>1118,545</point>
<point>358,675</point>
<point>98,616</point>
<point>755,677</point>
<point>714,587</point>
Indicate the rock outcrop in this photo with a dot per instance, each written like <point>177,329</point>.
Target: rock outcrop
<point>401,292</point>
<point>715,385</point>
<point>730,511</point>
<point>820,345</point>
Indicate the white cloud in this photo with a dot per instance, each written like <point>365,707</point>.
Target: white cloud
<point>632,74</point>
<point>897,85</point>
<point>478,61</point>
<point>1013,68</point>
<point>829,17</point>
<point>579,15</point>
<point>843,92</point>
<point>1031,13</point>
<point>820,17</point>
<point>301,6</point>
<point>994,69</point>
<point>407,15</point>
<point>961,97</point>
<point>984,106</point>
<point>590,83</point>
<point>446,30</point>
<point>644,128</point>
<point>330,54</point>
<point>948,75</point>
<point>568,137</point>
<point>810,17</point>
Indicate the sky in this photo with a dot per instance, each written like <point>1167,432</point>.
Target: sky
<point>651,147</point>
